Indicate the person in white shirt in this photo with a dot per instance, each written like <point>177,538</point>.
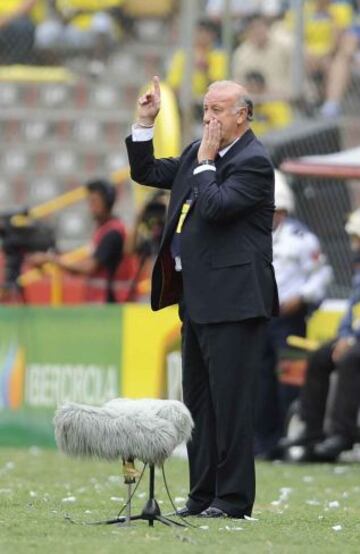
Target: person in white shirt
<point>302,275</point>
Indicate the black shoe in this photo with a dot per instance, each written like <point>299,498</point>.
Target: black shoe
<point>303,439</point>
<point>329,449</point>
<point>185,512</point>
<point>212,512</point>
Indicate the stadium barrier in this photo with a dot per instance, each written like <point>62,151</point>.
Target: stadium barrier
<point>90,354</point>
<point>87,354</point>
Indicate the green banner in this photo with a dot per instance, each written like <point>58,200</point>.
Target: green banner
<point>50,356</point>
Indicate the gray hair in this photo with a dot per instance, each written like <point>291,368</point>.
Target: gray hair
<point>242,99</point>
<point>245,102</point>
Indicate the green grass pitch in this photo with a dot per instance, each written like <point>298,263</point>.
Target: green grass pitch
<point>308,508</point>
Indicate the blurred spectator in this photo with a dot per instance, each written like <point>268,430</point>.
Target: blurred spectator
<point>108,247</point>
<point>76,25</point>
<point>269,113</point>
<point>302,276</point>
<point>154,9</point>
<point>324,21</point>
<point>343,356</point>
<point>141,19</point>
<point>243,8</point>
<point>262,52</point>
<point>209,61</point>
<point>347,53</point>
<point>16,31</point>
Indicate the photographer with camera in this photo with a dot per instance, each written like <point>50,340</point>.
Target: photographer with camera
<point>101,267</point>
<point>20,236</point>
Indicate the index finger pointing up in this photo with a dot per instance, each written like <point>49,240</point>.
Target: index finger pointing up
<point>156,84</point>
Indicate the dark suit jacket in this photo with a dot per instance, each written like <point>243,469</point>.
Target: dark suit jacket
<point>226,241</point>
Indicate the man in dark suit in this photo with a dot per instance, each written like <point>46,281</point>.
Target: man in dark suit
<point>215,260</point>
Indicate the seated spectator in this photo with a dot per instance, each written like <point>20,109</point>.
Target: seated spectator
<point>154,9</point>
<point>343,356</point>
<point>324,21</point>
<point>243,8</point>
<point>78,24</point>
<point>209,62</point>
<point>269,114</point>
<point>16,31</point>
<point>138,19</point>
<point>263,53</point>
<point>302,276</point>
<point>340,68</point>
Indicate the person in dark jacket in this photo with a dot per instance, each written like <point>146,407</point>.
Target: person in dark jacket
<point>343,356</point>
<point>215,261</point>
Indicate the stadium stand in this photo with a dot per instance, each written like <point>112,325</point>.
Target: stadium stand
<point>64,124</point>
<point>57,135</point>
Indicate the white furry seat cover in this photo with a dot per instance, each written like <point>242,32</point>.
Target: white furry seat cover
<point>146,429</point>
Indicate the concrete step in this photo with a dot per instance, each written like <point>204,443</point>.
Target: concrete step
<point>83,135</point>
<point>29,188</point>
<point>62,159</point>
<point>77,95</point>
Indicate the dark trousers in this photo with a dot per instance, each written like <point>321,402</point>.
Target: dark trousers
<point>274,397</point>
<point>220,367</point>
<point>343,417</point>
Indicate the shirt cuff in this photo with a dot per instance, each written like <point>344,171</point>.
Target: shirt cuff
<point>141,134</point>
<point>205,167</point>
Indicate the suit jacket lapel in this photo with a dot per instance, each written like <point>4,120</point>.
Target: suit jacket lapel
<point>185,188</point>
<point>243,141</point>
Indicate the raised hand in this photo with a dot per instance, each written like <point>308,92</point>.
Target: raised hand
<point>149,103</point>
<point>210,142</point>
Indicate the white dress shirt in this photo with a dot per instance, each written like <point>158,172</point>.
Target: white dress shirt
<point>142,134</point>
